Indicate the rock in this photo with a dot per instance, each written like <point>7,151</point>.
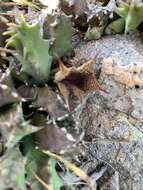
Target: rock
<point>113,121</point>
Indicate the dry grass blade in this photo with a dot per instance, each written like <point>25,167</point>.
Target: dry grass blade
<point>71,166</point>
<point>48,187</point>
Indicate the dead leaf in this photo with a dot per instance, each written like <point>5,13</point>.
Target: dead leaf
<point>54,139</point>
<point>13,127</point>
<point>74,7</point>
<point>79,81</point>
<point>47,100</point>
<point>7,95</point>
<point>80,6</point>
<point>27,92</point>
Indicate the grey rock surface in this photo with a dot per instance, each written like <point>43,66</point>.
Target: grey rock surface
<point>113,121</point>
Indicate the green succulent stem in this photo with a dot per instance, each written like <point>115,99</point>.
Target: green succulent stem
<point>32,51</point>
<point>132,14</point>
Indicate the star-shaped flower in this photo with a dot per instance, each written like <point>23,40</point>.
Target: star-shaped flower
<point>77,81</point>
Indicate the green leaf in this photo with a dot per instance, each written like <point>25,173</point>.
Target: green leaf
<point>56,180</point>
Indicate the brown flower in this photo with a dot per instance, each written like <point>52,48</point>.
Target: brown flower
<point>78,81</point>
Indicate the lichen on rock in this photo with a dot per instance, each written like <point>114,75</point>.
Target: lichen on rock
<point>113,121</point>
<point>128,75</point>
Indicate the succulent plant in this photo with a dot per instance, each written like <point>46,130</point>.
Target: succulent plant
<point>93,33</point>
<point>12,170</point>
<point>132,13</point>
<point>115,27</point>
<point>32,50</point>
<point>78,10</point>
<point>74,7</point>
<point>98,18</point>
<point>58,29</point>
